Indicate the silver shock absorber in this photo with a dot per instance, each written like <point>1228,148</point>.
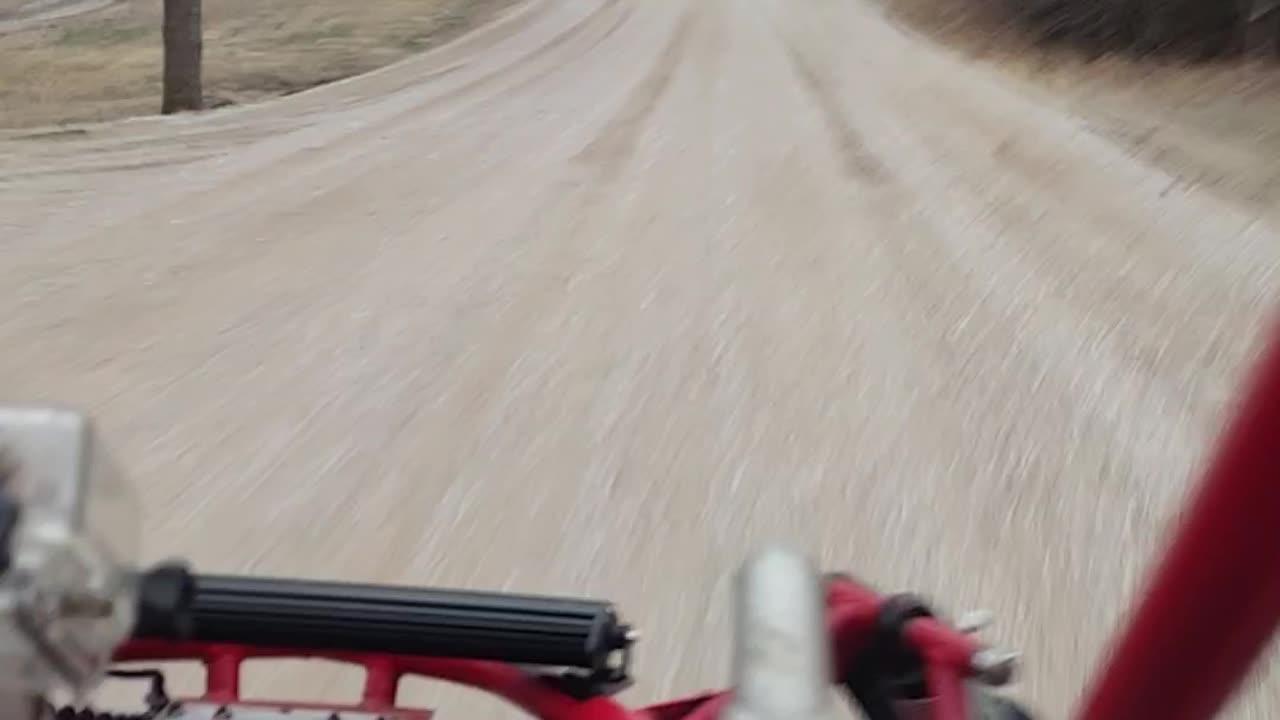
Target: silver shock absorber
<point>68,534</point>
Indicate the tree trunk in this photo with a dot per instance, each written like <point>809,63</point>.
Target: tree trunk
<point>183,47</point>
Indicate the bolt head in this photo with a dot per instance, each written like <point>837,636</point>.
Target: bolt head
<point>993,666</point>
<point>975,621</point>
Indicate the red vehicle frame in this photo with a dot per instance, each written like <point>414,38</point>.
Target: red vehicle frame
<point>1209,612</point>
<point>852,613</point>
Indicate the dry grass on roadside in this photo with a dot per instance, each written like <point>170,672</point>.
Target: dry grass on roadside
<point>1207,123</point>
<point>1188,29</point>
<point>106,64</point>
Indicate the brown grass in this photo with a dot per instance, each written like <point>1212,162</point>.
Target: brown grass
<point>106,64</point>
<point>1208,123</point>
<point>1186,29</point>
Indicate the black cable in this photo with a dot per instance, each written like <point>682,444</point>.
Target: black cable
<point>10,513</point>
<point>70,713</point>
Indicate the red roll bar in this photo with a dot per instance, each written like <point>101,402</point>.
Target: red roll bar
<point>1214,600</point>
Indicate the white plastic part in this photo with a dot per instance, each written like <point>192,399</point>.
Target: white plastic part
<point>68,597</point>
<point>782,653</point>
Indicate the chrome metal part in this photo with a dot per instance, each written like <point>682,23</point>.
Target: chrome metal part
<point>974,621</point>
<point>781,654</point>
<point>66,597</point>
<point>993,666</point>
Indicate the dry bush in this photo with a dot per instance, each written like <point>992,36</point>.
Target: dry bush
<point>1196,28</point>
<point>1189,29</point>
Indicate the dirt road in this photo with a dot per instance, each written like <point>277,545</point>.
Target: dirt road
<point>608,292</point>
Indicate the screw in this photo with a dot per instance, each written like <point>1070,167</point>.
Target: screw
<point>993,666</point>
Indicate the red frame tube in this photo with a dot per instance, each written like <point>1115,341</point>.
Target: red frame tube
<point>1214,600</point>
<point>383,674</point>
<point>852,611</point>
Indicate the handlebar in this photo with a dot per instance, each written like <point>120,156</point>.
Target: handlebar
<point>795,633</point>
<point>311,615</point>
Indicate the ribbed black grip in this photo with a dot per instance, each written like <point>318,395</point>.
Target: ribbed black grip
<point>310,615</point>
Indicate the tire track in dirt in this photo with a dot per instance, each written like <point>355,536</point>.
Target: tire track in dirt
<point>597,39</point>
<point>615,143</point>
<point>109,165</point>
<point>1085,258</point>
<point>566,36</point>
<point>545,271</point>
<point>581,202</point>
<point>858,162</point>
<point>911,245</point>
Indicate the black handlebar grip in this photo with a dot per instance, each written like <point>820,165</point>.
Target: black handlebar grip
<point>308,615</point>
<point>165,593</point>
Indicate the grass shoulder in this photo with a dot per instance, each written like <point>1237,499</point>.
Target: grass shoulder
<point>106,63</point>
